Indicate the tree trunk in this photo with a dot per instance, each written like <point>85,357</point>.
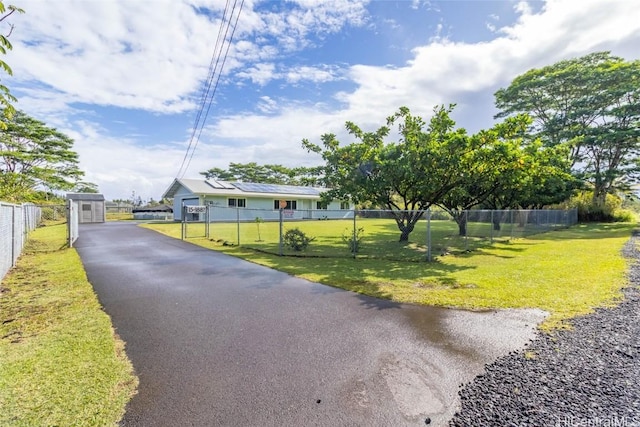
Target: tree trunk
<point>461,220</point>
<point>599,197</point>
<point>496,222</point>
<point>404,235</point>
<point>406,222</point>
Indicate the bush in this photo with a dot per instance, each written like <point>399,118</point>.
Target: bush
<point>297,239</point>
<point>353,242</point>
<point>624,215</point>
<point>590,212</point>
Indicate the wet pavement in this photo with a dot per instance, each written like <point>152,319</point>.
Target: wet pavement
<point>216,340</point>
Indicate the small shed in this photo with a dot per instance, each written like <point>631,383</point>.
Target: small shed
<point>91,207</point>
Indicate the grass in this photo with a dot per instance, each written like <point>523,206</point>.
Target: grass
<point>379,237</point>
<point>60,360</point>
<point>119,216</point>
<point>566,272</point>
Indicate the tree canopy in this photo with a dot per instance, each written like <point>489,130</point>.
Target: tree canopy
<point>591,106</point>
<point>35,157</point>
<point>436,164</point>
<point>508,172</point>
<point>267,174</point>
<point>6,99</point>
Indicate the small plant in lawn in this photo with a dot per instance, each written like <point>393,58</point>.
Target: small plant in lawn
<point>297,239</point>
<point>258,222</point>
<point>353,241</point>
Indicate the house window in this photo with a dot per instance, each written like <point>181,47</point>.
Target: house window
<point>237,203</point>
<point>345,205</point>
<point>321,205</point>
<point>292,205</point>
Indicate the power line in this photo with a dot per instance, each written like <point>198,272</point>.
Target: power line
<point>216,66</point>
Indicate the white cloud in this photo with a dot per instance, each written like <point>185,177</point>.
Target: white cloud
<point>260,74</point>
<point>267,105</point>
<point>154,54</point>
<point>320,74</point>
<point>443,72</point>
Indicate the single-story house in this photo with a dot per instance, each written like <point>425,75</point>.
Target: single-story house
<point>90,206</point>
<point>153,212</point>
<point>246,201</point>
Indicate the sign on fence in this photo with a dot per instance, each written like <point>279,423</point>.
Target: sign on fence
<point>196,209</point>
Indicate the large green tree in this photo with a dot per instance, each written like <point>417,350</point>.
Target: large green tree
<point>406,177</point>
<point>6,99</point>
<point>590,105</point>
<point>498,163</point>
<point>35,157</point>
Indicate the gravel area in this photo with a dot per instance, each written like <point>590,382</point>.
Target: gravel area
<point>587,376</point>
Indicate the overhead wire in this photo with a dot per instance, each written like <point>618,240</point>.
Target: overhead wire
<point>216,66</point>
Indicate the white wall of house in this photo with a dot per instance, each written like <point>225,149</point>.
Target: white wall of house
<point>248,208</point>
<point>184,196</point>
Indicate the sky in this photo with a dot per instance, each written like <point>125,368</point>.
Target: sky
<point>127,79</point>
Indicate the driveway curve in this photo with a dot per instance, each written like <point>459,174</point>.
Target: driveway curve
<point>216,340</point>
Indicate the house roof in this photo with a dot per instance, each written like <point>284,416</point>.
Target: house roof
<point>86,196</point>
<point>242,189</point>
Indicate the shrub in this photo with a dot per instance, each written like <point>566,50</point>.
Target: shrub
<point>296,239</point>
<point>624,215</point>
<point>353,242</point>
<point>590,212</point>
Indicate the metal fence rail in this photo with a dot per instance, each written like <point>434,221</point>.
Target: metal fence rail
<point>16,221</point>
<point>372,233</point>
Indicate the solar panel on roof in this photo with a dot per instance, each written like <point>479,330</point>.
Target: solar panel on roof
<point>220,185</point>
<point>253,187</point>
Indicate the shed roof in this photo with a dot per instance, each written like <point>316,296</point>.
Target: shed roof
<point>86,196</point>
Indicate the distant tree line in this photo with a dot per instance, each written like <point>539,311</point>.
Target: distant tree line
<point>268,174</point>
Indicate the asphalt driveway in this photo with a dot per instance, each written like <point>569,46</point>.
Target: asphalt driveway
<point>220,341</point>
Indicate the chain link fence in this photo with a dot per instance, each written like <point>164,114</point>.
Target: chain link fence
<point>371,233</point>
<point>17,221</point>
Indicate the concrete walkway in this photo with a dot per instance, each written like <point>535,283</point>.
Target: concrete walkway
<point>220,341</point>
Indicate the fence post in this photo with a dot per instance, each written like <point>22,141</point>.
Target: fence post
<point>183,225</point>
<point>13,236</point>
<point>492,226</point>
<point>466,230</point>
<point>238,223</point>
<point>69,219</point>
<point>280,244</point>
<point>354,243</point>
<point>511,219</point>
<point>429,235</point>
<point>207,221</point>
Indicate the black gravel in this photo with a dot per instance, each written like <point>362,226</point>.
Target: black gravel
<point>587,376</point>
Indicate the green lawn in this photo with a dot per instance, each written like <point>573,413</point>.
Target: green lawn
<point>379,237</point>
<point>566,272</point>
<point>60,361</point>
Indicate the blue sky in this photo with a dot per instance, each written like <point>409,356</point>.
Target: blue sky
<point>124,78</point>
